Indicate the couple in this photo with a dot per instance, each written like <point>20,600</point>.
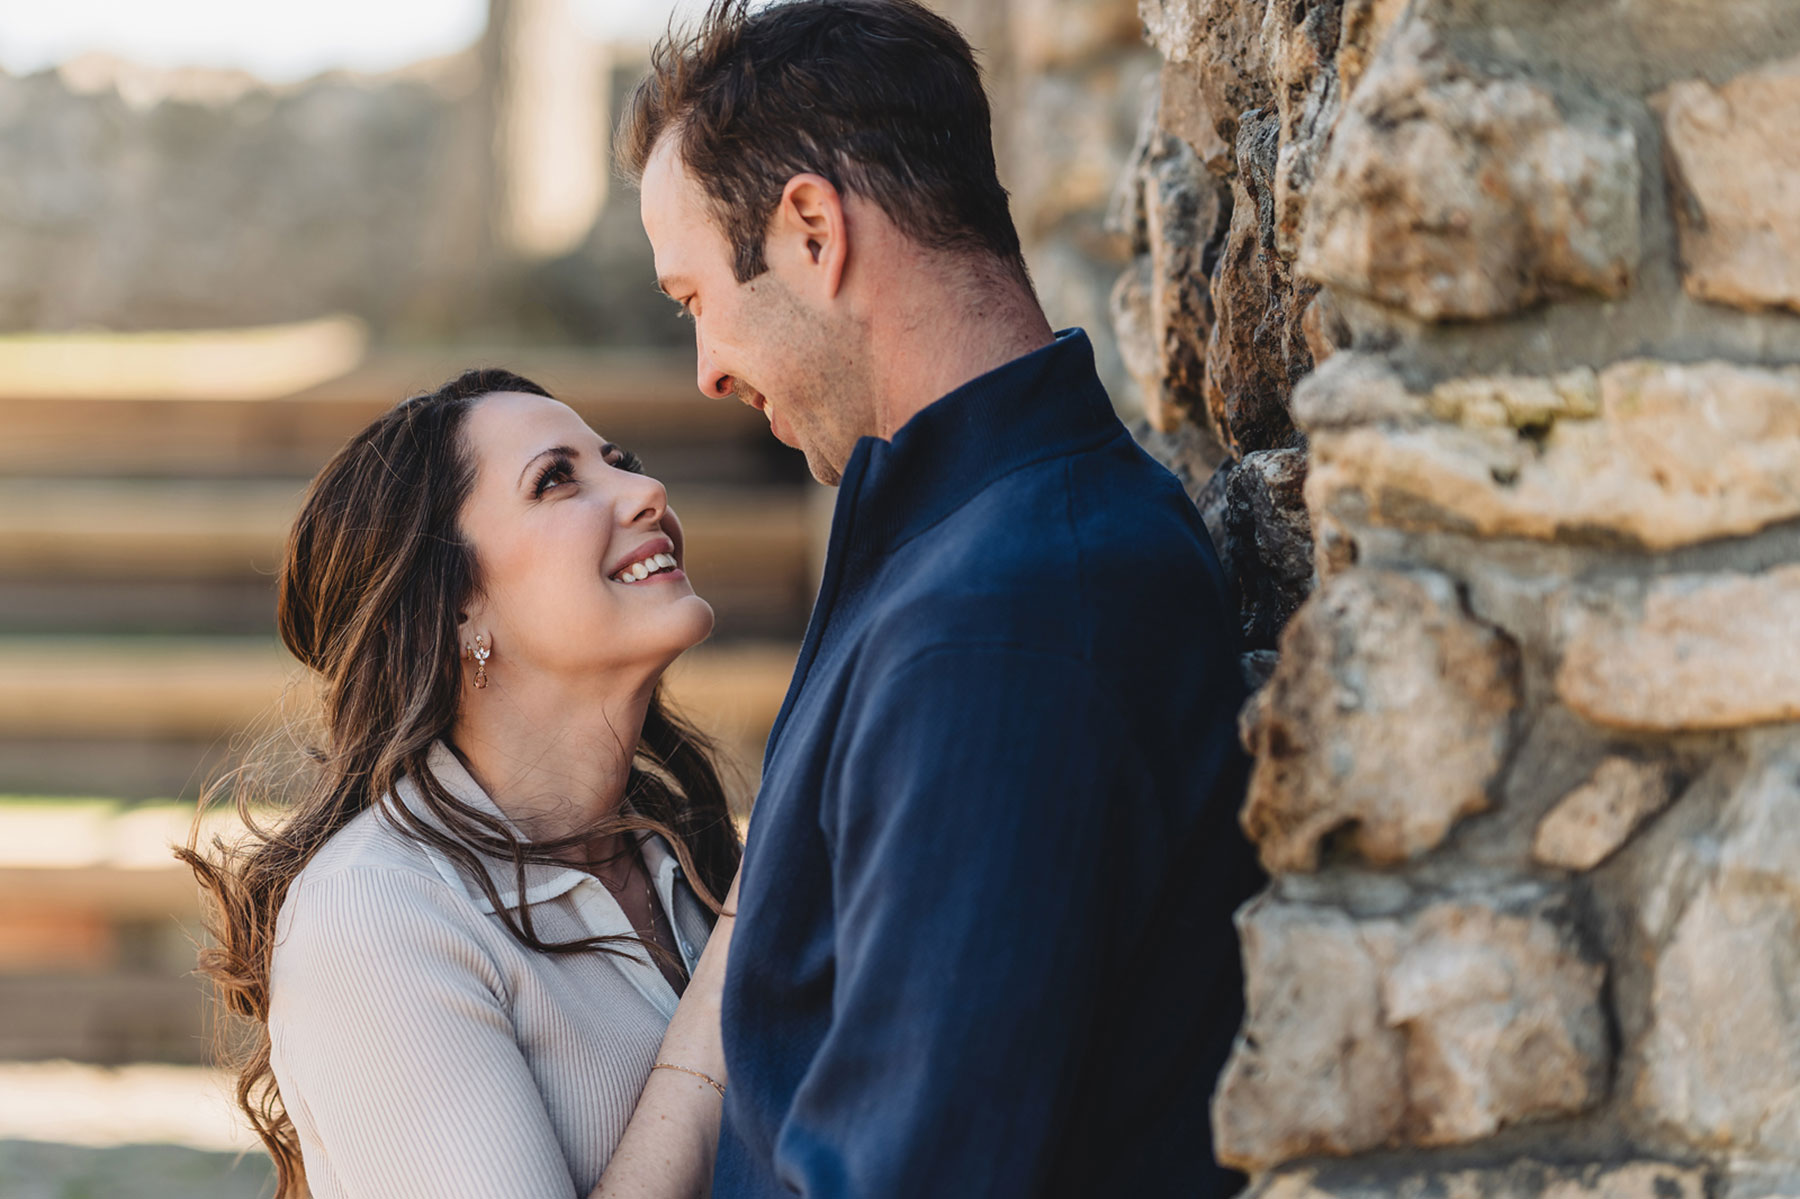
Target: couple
<point>983,939</point>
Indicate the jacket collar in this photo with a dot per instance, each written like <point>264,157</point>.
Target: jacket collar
<point>1045,404</point>
<point>542,882</point>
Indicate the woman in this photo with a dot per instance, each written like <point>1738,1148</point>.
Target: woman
<point>463,948</point>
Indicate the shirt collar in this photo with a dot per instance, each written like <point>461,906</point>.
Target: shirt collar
<point>1045,404</point>
<point>542,881</point>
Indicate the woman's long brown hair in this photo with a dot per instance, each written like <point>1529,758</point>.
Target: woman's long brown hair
<point>375,573</point>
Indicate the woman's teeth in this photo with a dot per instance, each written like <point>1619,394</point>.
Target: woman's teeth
<point>649,566</point>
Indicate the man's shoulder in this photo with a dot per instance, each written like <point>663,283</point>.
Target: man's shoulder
<point>1103,531</point>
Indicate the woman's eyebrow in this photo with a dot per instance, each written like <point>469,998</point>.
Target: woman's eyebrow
<point>565,451</point>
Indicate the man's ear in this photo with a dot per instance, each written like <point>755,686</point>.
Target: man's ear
<point>810,231</point>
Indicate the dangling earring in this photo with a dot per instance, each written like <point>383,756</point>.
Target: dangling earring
<point>481,653</point>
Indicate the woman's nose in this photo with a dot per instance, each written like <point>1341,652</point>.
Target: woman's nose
<point>644,501</point>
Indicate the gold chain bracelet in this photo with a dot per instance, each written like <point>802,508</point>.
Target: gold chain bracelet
<point>708,1079</point>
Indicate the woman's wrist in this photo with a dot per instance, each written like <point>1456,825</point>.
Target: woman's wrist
<point>702,1075</point>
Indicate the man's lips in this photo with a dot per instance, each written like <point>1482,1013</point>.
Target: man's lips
<point>760,402</point>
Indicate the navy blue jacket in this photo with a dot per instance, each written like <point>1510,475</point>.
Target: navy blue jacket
<point>986,944</point>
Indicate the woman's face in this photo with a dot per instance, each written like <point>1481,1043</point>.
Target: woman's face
<point>561,532</point>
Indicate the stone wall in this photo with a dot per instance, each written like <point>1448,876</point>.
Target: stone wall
<point>1066,80</point>
<point>445,201</point>
<point>461,199</point>
<point>140,198</point>
<point>1488,314</point>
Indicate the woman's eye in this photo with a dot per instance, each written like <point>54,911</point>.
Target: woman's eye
<point>624,459</point>
<point>555,473</point>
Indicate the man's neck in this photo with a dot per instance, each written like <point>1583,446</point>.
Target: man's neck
<point>943,334</point>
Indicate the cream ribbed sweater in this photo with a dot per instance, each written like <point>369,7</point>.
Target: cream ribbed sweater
<point>422,1051</point>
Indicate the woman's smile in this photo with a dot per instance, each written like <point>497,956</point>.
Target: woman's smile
<point>655,559</point>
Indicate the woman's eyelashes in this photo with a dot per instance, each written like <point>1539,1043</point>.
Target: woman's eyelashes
<point>561,469</point>
<point>622,458</point>
<point>557,471</point>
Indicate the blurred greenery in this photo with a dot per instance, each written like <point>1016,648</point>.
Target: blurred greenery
<point>37,1170</point>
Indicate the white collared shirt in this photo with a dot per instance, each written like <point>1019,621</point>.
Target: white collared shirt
<point>422,1051</point>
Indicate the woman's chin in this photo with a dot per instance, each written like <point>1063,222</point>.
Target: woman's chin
<point>698,619</point>
<point>685,623</point>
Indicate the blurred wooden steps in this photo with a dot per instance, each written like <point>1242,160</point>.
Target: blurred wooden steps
<point>80,553</point>
<point>66,694</point>
<point>647,402</point>
<point>147,482</point>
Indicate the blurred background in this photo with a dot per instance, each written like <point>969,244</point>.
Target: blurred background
<point>229,236</point>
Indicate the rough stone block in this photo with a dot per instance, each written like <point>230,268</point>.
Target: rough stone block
<point>1452,193</point>
<point>1590,823</point>
<point>1185,112</point>
<point>1271,540</point>
<point>1762,1180</point>
<point>1324,328</point>
<point>1217,45</point>
<point>1523,1179</point>
<point>1364,26</point>
<point>1723,1049</point>
<point>1693,652</point>
<point>1256,350</point>
<point>1677,454</point>
<point>1735,159</point>
<point>1176,214</point>
<point>1436,1027</point>
<point>1315,54</point>
<point>1387,719</point>
<point>1300,40</point>
<point>1316,1070</point>
<point>1186,214</point>
<point>1128,306</point>
<point>1352,390</point>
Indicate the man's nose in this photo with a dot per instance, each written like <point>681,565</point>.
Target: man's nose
<point>713,381</point>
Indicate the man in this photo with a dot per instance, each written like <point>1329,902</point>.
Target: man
<point>986,943</point>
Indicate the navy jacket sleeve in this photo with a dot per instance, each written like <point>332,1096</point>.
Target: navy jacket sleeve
<point>971,815</point>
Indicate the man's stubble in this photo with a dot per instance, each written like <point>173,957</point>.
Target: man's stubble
<point>828,400</point>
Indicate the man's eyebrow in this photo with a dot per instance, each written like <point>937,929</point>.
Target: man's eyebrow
<point>562,450</point>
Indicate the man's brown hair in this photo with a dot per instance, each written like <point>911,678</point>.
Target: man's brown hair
<point>881,97</point>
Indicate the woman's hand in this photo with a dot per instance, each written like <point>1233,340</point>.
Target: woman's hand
<point>694,1039</point>
<point>668,1147</point>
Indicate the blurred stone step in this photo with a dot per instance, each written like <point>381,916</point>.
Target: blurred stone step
<point>107,1018</point>
<point>62,1106</point>
<point>186,528</point>
<point>67,864</point>
<point>132,768</point>
<point>76,552</point>
<point>174,688</point>
<point>198,424</point>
